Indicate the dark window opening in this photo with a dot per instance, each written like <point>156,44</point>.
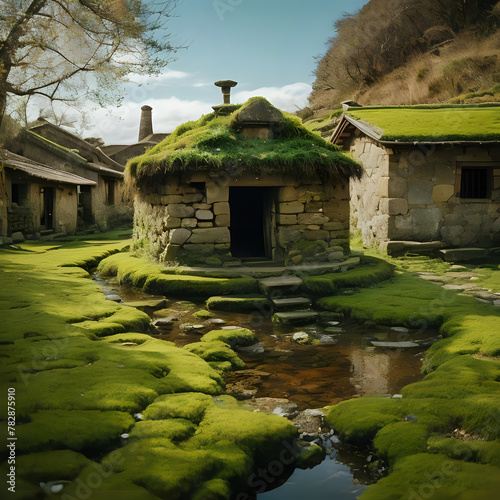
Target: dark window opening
<point>475,183</point>
<point>19,194</point>
<point>250,224</point>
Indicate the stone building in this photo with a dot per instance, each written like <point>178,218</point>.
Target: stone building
<point>246,181</point>
<point>36,199</point>
<point>101,201</point>
<point>431,175</point>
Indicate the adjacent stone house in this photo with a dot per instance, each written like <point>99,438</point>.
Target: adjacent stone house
<point>101,201</point>
<point>36,199</point>
<point>431,175</point>
<point>246,181</point>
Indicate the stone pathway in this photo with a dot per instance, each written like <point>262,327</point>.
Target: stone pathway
<point>450,281</point>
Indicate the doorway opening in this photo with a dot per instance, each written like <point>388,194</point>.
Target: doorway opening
<point>47,208</point>
<point>252,221</point>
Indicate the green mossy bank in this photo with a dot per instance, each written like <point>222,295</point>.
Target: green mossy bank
<point>158,279</point>
<point>107,410</point>
<point>442,439</point>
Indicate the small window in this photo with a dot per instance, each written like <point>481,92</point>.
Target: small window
<point>475,183</point>
<point>19,194</point>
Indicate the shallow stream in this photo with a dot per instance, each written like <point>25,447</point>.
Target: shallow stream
<point>343,366</point>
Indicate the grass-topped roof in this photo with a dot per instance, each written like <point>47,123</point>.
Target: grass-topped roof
<point>217,143</point>
<point>431,123</point>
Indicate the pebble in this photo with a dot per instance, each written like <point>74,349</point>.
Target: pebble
<point>56,488</point>
<point>114,298</point>
<point>216,321</point>
<point>231,327</point>
<point>124,435</point>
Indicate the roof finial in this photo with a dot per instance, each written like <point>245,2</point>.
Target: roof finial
<point>226,86</point>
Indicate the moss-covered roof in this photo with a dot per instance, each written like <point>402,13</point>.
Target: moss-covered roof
<point>217,143</point>
<point>431,123</point>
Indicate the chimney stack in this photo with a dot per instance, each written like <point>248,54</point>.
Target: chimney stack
<point>146,126</point>
<point>226,86</point>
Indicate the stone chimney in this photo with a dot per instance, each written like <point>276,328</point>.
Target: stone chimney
<point>146,126</point>
<point>226,86</point>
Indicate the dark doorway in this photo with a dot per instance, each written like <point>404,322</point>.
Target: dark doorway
<point>252,211</point>
<point>47,208</point>
<point>85,204</point>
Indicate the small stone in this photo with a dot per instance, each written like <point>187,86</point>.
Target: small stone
<point>452,287</point>
<point>231,327</point>
<point>300,337</point>
<point>204,215</point>
<point>401,329</point>
<point>124,435</point>
<point>114,298</point>
<point>335,256</point>
<point>397,396</point>
<point>138,416</point>
<point>56,488</point>
<point>215,321</point>
<point>17,237</point>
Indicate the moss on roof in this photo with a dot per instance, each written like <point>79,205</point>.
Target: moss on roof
<point>433,123</point>
<point>216,142</point>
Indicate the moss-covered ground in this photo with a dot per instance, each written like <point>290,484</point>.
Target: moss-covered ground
<point>442,439</point>
<point>104,408</point>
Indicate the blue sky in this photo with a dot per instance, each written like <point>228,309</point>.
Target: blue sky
<point>267,46</point>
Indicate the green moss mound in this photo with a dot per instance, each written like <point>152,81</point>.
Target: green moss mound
<point>238,337</point>
<point>51,465</point>
<point>358,421</point>
<point>156,279</point>
<point>74,430</point>
<point>216,351</point>
<point>174,429</point>
<point>190,406</point>
<point>371,271</point>
<point>240,303</point>
<point>425,475</point>
<point>468,449</point>
<point>214,142</point>
<point>401,439</point>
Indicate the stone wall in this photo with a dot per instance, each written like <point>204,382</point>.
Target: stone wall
<point>179,221</point>
<point>19,219</point>
<point>414,195</point>
<point>312,219</point>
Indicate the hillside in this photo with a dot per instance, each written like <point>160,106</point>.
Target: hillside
<point>397,52</point>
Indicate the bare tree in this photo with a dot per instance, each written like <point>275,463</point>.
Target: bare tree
<point>66,50</point>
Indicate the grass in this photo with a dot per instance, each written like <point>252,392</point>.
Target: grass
<point>79,390</point>
<point>434,123</point>
<point>215,142</point>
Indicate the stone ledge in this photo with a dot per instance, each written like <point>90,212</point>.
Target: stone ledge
<point>395,248</point>
<point>463,254</point>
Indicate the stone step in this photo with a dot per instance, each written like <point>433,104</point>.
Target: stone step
<point>291,302</point>
<point>280,284</point>
<point>295,317</point>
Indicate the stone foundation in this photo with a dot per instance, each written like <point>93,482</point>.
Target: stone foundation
<point>182,223</point>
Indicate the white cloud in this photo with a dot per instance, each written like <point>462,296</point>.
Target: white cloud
<point>201,84</point>
<point>120,125</point>
<point>288,98</point>
<point>160,79</point>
